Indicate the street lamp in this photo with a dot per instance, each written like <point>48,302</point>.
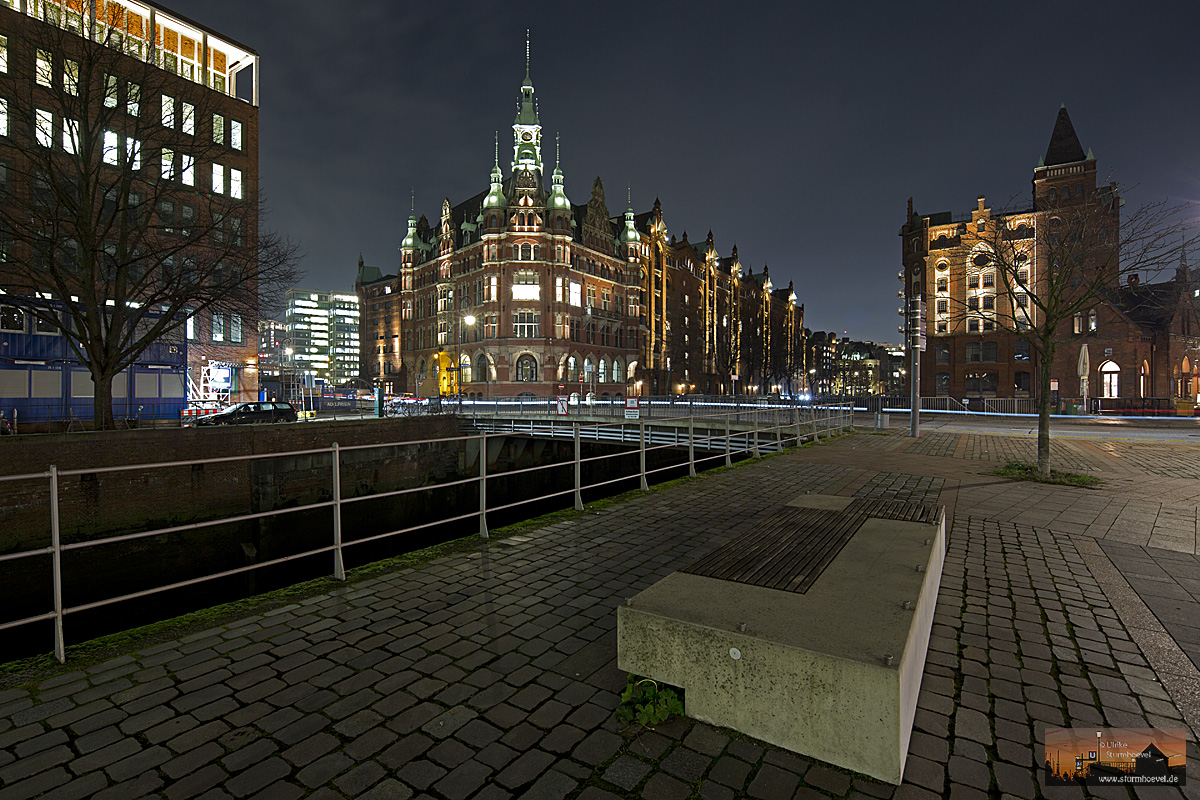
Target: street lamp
<point>469,319</point>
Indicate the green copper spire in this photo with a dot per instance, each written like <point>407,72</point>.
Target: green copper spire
<point>630,234</point>
<point>495,198</point>
<point>558,197</point>
<point>410,240</point>
<point>527,129</point>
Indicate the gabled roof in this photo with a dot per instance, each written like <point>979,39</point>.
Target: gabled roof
<point>1151,307</point>
<point>1064,144</point>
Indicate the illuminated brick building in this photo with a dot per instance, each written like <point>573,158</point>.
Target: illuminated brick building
<point>522,292</point>
<point>1142,339</point>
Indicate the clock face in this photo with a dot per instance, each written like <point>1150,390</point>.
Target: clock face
<point>527,136</point>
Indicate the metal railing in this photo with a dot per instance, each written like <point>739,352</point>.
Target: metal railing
<point>723,434</point>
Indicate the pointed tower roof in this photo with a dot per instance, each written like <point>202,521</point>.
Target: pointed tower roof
<point>527,111</point>
<point>630,234</point>
<point>410,240</point>
<point>1064,143</point>
<point>495,196</point>
<point>558,196</point>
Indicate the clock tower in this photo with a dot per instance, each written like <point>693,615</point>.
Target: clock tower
<point>527,130</point>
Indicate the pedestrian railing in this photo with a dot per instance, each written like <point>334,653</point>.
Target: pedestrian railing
<point>721,434</point>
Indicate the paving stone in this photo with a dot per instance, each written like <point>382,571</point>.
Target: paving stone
<point>420,774</point>
<point>626,772</point>
<point>450,753</point>
<point>598,747</point>
<point>686,764</point>
<point>827,780</point>
<point>773,783</point>
<point>525,769</point>
<point>324,769</point>
<point>662,787</point>
<point>731,772</point>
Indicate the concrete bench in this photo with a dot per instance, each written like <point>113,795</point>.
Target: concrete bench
<point>808,631</point>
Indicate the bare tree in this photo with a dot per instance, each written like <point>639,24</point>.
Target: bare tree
<point>119,219</point>
<point>1053,266</point>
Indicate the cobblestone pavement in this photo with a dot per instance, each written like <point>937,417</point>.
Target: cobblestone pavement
<point>492,674</point>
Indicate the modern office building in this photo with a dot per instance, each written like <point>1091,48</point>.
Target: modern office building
<point>520,291</point>
<point>321,336</point>
<point>170,127</point>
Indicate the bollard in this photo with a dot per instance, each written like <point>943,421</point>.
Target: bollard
<point>339,566</point>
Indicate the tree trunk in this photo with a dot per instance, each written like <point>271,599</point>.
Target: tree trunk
<point>1043,444</point>
<point>102,412</point>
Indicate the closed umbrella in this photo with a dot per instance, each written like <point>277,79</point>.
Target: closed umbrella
<point>1082,369</point>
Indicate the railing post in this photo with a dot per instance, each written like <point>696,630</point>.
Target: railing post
<point>756,453</point>
<point>578,471</point>
<point>483,457</point>
<point>339,566</point>
<point>645,486</point>
<point>796,419</point>
<point>728,461</point>
<point>60,647</point>
<point>691,447</point>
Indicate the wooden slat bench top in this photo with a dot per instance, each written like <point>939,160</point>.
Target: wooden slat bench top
<point>790,549</point>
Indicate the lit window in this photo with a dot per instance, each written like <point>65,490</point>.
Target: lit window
<point>44,69</point>
<point>235,328</point>
<point>133,154</point>
<point>44,128</point>
<point>1092,320</point>
<point>188,119</point>
<point>71,77</point>
<point>235,184</point>
<point>526,285</point>
<point>218,327</point>
<point>187,170</point>
<point>235,134</point>
<point>112,149</point>
<point>133,99</point>
<point>576,298</point>
<point>218,179</point>
<point>190,325</point>
<point>218,128</point>
<point>3,117</point>
<point>168,164</point>
<point>110,91</point>
<point>168,111</point>
<point>3,54</point>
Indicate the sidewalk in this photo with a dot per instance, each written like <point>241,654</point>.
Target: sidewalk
<point>492,674</point>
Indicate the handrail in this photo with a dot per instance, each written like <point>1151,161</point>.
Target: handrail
<point>722,434</point>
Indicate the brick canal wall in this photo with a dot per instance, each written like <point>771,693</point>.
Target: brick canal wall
<point>96,504</point>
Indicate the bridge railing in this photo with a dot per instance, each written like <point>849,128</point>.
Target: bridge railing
<point>719,434</point>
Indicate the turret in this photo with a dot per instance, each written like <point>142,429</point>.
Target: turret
<point>630,235</point>
<point>495,197</point>
<point>558,198</point>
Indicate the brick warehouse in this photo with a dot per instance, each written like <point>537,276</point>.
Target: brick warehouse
<point>178,134</point>
<point>1142,340</point>
<point>520,291</point>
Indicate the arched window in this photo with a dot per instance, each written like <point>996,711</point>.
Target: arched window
<point>1144,379</point>
<point>521,219</point>
<point>464,366</point>
<point>526,252</point>
<point>618,371</point>
<point>941,383</point>
<point>1092,320</point>
<point>421,369</point>
<point>602,376</point>
<point>1110,374</point>
<point>481,372</point>
<point>572,369</point>
<point>589,368</point>
<point>527,368</point>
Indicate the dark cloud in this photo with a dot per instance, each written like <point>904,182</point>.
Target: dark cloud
<point>795,130</point>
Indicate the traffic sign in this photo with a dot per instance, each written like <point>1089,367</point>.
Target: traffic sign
<point>631,408</point>
<point>561,405</point>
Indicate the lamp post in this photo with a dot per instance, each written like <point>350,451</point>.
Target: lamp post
<point>285,374</point>
<point>469,319</point>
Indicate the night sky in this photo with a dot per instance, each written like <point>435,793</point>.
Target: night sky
<point>796,131</point>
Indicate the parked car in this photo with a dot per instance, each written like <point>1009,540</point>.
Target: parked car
<point>248,413</point>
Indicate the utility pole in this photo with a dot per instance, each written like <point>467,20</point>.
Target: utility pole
<point>916,345</point>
